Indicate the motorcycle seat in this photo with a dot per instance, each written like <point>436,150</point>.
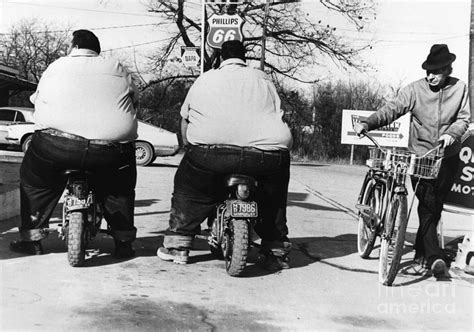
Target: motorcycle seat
<point>235,179</point>
<point>75,171</point>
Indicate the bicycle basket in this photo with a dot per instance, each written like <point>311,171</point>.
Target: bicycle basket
<point>425,167</point>
<point>376,158</point>
<point>398,161</point>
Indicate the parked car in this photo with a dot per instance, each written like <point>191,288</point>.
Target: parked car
<point>154,142</point>
<point>17,125</point>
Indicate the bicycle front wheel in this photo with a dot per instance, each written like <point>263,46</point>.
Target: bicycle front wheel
<point>393,239</point>
<point>367,232</point>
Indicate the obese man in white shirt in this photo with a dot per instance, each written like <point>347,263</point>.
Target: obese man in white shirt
<point>231,123</point>
<point>85,118</point>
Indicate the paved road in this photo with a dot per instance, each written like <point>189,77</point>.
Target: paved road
<point>329,286</point>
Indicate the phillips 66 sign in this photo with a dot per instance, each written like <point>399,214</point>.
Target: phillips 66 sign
<point>223,28</point>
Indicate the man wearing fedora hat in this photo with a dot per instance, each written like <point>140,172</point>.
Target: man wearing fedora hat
<point>440,113</point>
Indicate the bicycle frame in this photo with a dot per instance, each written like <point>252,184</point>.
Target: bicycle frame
<point>389,183</point>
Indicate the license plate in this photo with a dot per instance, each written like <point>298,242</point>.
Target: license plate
<point>244,209</point>
<point>74,204</point>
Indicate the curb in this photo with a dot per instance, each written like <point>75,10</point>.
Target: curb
<point>9,201</point>
<point>11,156</point>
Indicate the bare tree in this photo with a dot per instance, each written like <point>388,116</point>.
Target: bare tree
<point>295,38</point>
<point>31,45</point>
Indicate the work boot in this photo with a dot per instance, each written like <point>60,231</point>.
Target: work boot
<point>175,255</point>
<point>123,249</point>
<point>27,247</point>
<point>439,269</point>
<point>275,263</point>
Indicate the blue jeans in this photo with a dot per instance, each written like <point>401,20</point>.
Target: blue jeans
<point>199,187</point>
<point>42,182</point>
<point>431,195</point>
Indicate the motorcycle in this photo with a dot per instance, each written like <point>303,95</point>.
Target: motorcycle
<point>232,226</point>
<point>82,216</point>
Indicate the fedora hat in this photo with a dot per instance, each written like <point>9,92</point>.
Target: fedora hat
<point>439,57</point>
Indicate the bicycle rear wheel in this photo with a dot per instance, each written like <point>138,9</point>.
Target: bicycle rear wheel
<point>393,239</point>
<point>367,232</point>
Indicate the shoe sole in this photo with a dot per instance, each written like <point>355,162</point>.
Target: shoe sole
<point>173,258</point>
<point>438,270</point>
<point>415,271</point>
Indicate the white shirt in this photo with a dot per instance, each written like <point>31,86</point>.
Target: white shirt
<point>87,95</point>
<point>235,105</point>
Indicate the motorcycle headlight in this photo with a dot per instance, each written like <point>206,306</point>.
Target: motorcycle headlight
<point>243,191</point>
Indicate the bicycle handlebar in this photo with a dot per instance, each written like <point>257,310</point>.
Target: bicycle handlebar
<point>373,140</point>
<point>370,137</point>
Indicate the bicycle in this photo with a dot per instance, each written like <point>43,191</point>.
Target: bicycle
<point>383,205</point>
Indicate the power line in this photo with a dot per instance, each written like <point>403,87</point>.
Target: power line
<point>401,42</point>
<point>135,45</point>
<point>392,32</point>
<point>97,28</point>
<point>83,9</point>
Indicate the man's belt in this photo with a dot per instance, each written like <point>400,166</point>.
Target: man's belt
<point>59,133</point>
<point>238,148</point>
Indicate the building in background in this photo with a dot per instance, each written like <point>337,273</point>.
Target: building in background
<point>13,88</point>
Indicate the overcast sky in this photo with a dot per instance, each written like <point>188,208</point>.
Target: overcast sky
<point>403,30</point>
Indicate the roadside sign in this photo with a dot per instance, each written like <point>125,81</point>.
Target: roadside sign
<point>462,191</point>
<point>395,134</point>
<point>223,28</point>
<point>190,56</point>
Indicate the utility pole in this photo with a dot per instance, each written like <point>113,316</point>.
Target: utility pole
<point>264,34</point>
<point>471,62</point>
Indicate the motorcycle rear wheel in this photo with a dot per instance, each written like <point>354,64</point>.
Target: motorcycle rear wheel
<point>76,246</point>
<point>236,246</point>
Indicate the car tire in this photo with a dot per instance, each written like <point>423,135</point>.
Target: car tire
<point>26,143</point>
<point>144,153</point>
